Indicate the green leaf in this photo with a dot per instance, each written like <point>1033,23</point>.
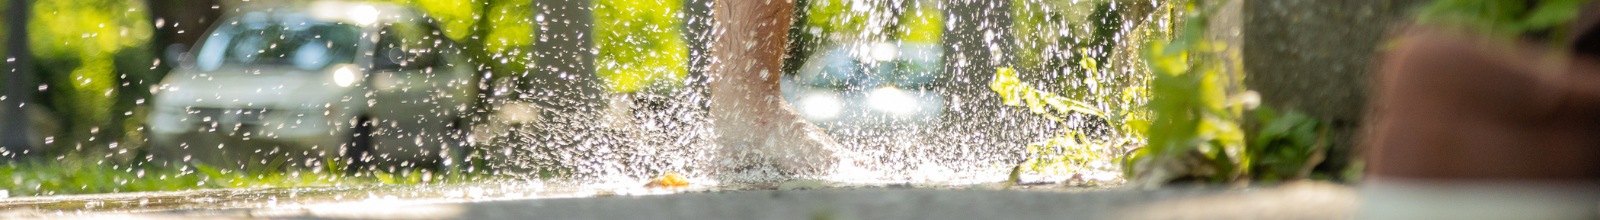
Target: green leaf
<point>1551,13</point>
<point>210,172</point>
<point>1005,83</point>
<point>1034,104</point>
<point>1067,105</point>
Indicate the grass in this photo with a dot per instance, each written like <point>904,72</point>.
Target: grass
<point>85,175</point>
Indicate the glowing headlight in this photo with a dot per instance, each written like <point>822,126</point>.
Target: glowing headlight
<point>344,76</point>
<point>884,52</point>
<point>892,100</point>
<point>361,14</point>
<point>168,118</point>
<point>820,106</point>
<point>364,15</point>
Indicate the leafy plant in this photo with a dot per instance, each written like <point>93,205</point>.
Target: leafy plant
<point>1195,131</point>
<point>1199,104</point>
<point>1505,18</point>
<point>1191,124</point>
<point>1286,145</point>
<point>1099,106</point>
<point>639,44</point>
<point>1072,151</point>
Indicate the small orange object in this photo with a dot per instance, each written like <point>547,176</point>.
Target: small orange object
<point>668,180</point>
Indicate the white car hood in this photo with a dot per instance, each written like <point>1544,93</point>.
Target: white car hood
<point>293,89</point>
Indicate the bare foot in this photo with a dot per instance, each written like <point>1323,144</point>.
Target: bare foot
<point>763,139</point>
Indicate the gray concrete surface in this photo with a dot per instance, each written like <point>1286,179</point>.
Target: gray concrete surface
<point>1293,201</point>
<point>804,204</point>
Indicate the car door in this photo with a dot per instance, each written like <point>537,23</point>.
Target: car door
<point>405,91</point>
<point>455,79</point>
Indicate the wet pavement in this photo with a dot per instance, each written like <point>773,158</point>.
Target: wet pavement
<point>1307,200</point>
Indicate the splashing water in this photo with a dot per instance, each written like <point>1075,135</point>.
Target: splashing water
<point>608,93</point>
<point>1081,47</point>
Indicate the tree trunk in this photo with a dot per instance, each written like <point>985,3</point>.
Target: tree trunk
<point>564,59</point>
<point>976,39</point>
<point>697,35</point>
<point>1318,66</point>
<point>15,135</point>
<point>761,135</point>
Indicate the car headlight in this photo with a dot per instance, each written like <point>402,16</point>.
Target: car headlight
<point>345,75</point>
<point>167,118</point>
<point>300,121</point>
<point>820,106</point>
<point>892,100</point>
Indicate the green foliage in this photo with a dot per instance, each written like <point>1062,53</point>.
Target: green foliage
<point>82,53</point>
<point>836,16</point>
<point>1505,18</point>
<point>456,17</point>
<point>640,43</point>
<point>94,58</point>
<point>923,24</point>
<point>502,22</point>
<point>1198,101</point>
<point>507,28</point>
<point>79,176</point>
<point>1286,145</point>
<point>914,21</point>
<point>1032,27</point>
<point>1067,34</point>
<point>823,24</point>
<point>1070,152</point>
<point>73,29</point>
<point>1088,75</point>
<point>1195,124</point>
<point>494,33</point>
<point>1192,121</point>
<point>1014,93</point>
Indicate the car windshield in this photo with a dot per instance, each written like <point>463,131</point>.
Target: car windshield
<point>279,39</point>
<point>904,66</point>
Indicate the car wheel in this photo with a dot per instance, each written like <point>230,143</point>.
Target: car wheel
<point>358,145</point>
<point>457,147</point>
<point>148,152</point>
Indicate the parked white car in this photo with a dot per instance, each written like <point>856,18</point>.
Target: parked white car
<point>869,85</point>
<point>374,85</point>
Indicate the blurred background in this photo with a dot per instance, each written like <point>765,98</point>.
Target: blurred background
<point>1298,96</point>
<point>85,74</point>
<point>954,92</point>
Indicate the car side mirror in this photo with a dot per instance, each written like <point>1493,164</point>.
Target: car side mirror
<point>389,59</point>
<point>425,58</point>
<point>175,54</point>
<point>393,59</point>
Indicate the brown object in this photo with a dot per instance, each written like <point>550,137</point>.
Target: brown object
<point>1450,106</point>
<point>668,180</point>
